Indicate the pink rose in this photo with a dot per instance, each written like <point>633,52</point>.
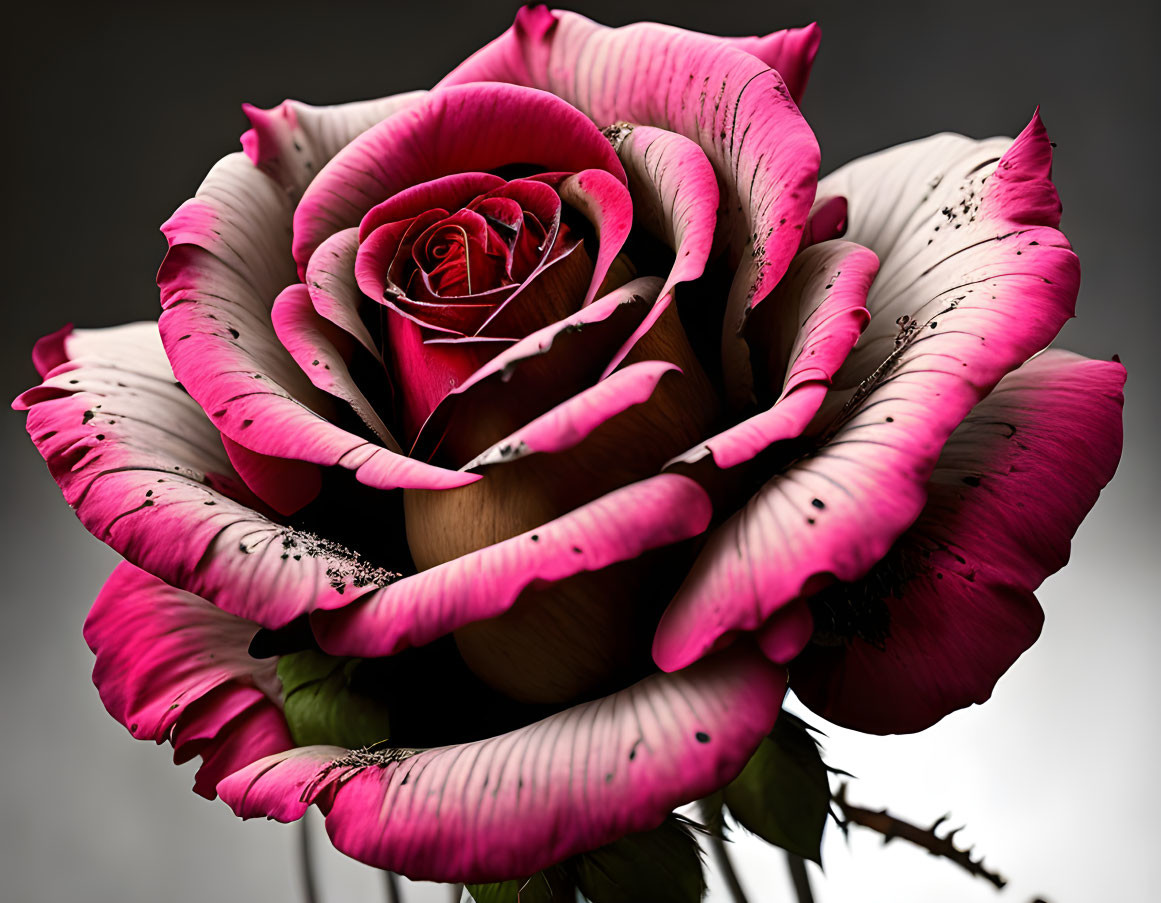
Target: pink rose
<point>503,451</point>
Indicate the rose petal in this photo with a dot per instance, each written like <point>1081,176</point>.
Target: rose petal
<point>814,317</point>
<point>790,51</point>
<point>312,344</point>
<point>511,805</point>
<point>172,666</point>
<point>675,196</point>
<point>571,421</point>
<point>733,105</point>
<point>286,486</point>
<point>147,474</point>
<point>980,308</point>
<point>507,124</point>
<point>1011,487</point>
<point>219,280</point>
<point>293,141</point>
<point>533,375</point>
<point>330,279</point>
<point>484,584</point>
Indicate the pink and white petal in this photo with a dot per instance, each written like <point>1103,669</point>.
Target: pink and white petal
<point>511,805</point>
<point>147,474</point>
<point>313,343</point>
<point>330,279</point>
<point>620,526</point>
<point>171,666</point>
<point>1011,487</point>
<point>804,334</point>
<point>791,51</point>
<point>294,140</point>
<point>956,223</point>
<point>508,124</point>
<point>542,370</point>
<point>729,102</point>
<point>675,197</point>
<point>571,421</point>
<point>227,263</point>
<point>835,513</point>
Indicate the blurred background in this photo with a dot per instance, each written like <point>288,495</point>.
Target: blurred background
<point>116,112</point>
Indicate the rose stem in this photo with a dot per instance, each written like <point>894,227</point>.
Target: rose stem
<point>390,887</point>
<point>711,815</point>
<point>457,893</point>
<point>800,878</point>
<point>306,867</point>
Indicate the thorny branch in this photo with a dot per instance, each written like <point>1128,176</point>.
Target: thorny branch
<point>928,838</point>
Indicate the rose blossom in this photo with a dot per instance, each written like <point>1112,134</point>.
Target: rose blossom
<point>502,452</point>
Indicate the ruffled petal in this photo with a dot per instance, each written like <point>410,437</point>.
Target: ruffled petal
<point>484,584</point>
<point>511,805</point>
<point>814,318</point>
<point>171,666</point>
<point>146,472</point>
<point>334,291</point>
<point>791,51</point>
<point>312,341</point>
<point>675,198</point>
<point>227,263</point>
<point>729,102</point>
<point>293,141</point>
<point>977,306</point>
<point>571,421</point>
<point>536,373</point>
<point>507,124</point>
<point>1011,487</point>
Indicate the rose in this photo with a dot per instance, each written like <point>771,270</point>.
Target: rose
<point>890,501</point>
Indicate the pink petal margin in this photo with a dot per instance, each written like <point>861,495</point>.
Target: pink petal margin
<point>985,298</point>
<point>484,584</point>
<point>1010,489</point>
<point>511,805</point>
<point>172,667</point>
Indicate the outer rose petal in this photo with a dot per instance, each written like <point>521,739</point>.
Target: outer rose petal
<point>507,125</point>
<point>226,264</point>
<point>146,472</point>
<point>791,51</point>
<point>484,584</point>
<point>511,805</point>
<point>983,300</point>
<point>293,141</point>
<point>1011,487</point>
<point>171,666</point>
<point>519,50</point>
<point>734,106</point>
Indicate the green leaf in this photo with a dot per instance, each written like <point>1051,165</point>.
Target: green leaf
<point>321,707</point>
<point>783,794</point>
<point>552,884</point>
<point>662,866</point>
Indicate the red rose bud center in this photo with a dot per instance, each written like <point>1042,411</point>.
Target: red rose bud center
<point>464,266</point>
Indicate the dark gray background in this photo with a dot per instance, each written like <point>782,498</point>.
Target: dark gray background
<point>113,116</point>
